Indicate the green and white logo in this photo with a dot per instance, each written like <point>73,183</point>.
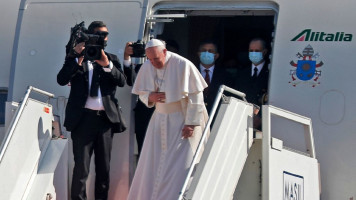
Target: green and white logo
<point>309,35</point>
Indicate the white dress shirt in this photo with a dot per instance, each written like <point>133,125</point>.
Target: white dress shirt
<point>95,103</point>
<point>259,68</point>
<point>127,63</point>
<point>211,71</point>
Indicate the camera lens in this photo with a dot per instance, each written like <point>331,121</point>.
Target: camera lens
<point>91,52</point>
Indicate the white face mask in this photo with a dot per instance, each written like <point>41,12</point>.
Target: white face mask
<point>255,57</point>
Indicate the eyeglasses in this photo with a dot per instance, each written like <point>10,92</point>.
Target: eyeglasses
<point>102,33</point>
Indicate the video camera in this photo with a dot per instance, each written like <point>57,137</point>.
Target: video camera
<point>94,43</point>
<point>138,49</point>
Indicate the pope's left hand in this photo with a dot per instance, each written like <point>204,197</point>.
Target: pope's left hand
<point>188,131</point>
<point>104,61</point>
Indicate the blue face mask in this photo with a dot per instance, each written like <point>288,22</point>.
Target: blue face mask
<point>255,57</point>
<point>206,58</point>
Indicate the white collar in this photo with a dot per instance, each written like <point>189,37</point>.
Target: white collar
<point>259,67</point>
<point>202,68</point>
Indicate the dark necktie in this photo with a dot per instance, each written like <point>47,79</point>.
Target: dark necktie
<point>255,70</point>
<point>207,80</point>
<point>95,81</point>
<point>207,76</point>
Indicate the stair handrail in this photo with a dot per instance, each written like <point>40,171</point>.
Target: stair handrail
<point>206,129</point>
<point>16,119</point>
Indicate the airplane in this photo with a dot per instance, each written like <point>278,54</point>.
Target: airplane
<point>310,45</point>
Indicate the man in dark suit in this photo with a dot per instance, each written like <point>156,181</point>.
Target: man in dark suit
<point>142,114</point>
<point>213,74</point>
<point>92,112</point>
<point>253,79</point>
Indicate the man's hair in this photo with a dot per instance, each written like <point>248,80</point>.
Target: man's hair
<point>263,43</point>
<point>208,42</point>
<point>172,44</point>
<point>94,25</point>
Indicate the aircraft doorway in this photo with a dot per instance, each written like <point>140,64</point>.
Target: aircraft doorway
<point>232,33</point>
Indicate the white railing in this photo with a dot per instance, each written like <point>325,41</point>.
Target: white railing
<point>17,116</point>
<point>205,133</point>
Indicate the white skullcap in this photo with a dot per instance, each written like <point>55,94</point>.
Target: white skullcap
<point>154,43</point>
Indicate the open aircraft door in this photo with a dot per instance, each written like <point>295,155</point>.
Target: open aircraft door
<point>229,24</point>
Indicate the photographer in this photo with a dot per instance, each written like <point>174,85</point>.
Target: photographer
<point>142,114</point>
<point>92,112</point>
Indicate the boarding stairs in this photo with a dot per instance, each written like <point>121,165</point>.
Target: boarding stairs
<point>234,161</point>
<point>33,163</point>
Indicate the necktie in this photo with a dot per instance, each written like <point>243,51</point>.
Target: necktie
<point>207,76</point>
<point>95,81</point>
<point>255,70</point>
<point>207,80</point>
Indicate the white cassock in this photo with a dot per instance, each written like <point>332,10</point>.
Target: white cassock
<point>166,157</point>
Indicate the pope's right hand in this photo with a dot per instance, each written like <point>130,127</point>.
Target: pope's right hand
<point>158,97</point>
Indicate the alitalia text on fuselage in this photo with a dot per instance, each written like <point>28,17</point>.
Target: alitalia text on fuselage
<point>309,35</point>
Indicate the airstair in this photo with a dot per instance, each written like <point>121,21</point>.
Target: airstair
<point>235,161</point>
<point>33,164</point>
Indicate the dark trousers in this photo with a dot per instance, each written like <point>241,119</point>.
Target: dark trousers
<point>93,134</point>
<point>142,118</point>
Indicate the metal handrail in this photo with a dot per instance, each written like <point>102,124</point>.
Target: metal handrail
<point>11,129</point>
<point>207,128</point>
<point>267,112</point>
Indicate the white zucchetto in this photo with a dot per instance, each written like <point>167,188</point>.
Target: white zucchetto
<point>154,43</point>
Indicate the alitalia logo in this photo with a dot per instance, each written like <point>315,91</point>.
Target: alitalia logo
<point>309,35</point>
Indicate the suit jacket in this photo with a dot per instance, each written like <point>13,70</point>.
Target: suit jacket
<point>254,89</point>
<point>220,77</point>
<point>142,112</point>
<point>79,80</point>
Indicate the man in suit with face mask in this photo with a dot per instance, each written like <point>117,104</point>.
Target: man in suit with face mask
<point>213,74</point>
<point>253,79</point>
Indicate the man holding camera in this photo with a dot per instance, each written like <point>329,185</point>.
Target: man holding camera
<point>92,112</point>
<point>142,114</point>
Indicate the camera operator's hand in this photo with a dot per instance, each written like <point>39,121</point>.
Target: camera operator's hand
<point>79,48</point>
<point>128,51</point>
<point>75,52</point>
<point>80,60</point>
<point>104,61</point>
